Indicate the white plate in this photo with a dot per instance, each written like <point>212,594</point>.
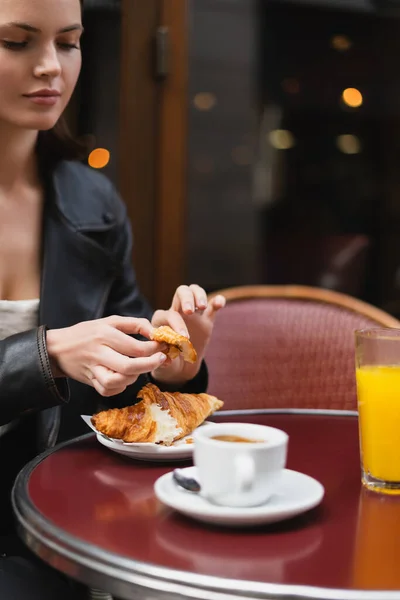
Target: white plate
<point>295,494</point>
<point>179,450</point>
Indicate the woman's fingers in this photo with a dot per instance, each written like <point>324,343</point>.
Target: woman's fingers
<point>189,298</point>
<point>109,383</point>
<point>129,346</point>
<point>126,366</point>
<point>131,325</point>
<point>183,300</point>
<point>200,297</point>
<point>172,318</point>
<point>119,371</point>
<point>106,392</point>
<point>215,305</point>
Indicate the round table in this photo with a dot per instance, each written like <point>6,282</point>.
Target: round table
<point>92,514</point>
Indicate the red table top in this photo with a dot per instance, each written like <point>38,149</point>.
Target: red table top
<point>351,541</point>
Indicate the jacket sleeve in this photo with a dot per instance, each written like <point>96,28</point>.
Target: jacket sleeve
<point>26,380</point>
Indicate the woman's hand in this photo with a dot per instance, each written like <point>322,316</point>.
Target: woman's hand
<point>192,315</point>
<point>100,354</point>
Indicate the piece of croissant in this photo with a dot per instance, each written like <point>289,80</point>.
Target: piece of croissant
<point>160,417</point>
<point>177,343</point>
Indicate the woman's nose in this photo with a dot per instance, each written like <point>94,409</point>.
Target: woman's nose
<point>48,64</point>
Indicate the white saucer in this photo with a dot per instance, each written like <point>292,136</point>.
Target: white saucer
<point>296,494</point>
<point>179,450</point>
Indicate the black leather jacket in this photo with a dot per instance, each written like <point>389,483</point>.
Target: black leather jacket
<point>86,274</point>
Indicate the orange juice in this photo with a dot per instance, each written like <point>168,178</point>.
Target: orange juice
<point>378,390</point>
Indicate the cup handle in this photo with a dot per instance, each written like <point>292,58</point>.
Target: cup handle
<point>244,472</point>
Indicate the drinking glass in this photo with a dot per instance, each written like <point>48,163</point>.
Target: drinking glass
<point>378,392</point>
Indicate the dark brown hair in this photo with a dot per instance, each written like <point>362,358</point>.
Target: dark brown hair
<point>58,143</point>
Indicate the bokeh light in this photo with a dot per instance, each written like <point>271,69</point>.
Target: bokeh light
<point>352,97</point>
<point>348,144</point>
<point>204,101</point>
<point>99,158</point>
<point>281,139</point>
<point>341,43</point>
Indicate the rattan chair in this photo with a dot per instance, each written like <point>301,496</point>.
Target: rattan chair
<point>288,347</point>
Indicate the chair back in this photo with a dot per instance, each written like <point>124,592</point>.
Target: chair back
<point>288,347</point>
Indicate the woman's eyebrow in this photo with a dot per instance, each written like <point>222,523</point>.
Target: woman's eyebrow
<point>31,29</point>
<point>76,27</point>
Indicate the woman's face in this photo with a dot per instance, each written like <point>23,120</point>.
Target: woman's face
<point>40,60</point>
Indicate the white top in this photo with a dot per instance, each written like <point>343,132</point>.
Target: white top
<point>17,316</point>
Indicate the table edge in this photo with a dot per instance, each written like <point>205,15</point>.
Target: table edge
<point>118,573</point>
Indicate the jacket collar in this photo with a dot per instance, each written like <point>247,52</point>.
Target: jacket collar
<point>82,196</point>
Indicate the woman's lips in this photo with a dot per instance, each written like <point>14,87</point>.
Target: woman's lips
<point>45,97</point>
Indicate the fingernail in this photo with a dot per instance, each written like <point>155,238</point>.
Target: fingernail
<point>184,333</point>
<point>187,306</point>
<point>162,357</point>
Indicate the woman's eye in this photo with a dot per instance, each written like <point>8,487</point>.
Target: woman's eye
<point>14,45</point>
<point>66,46</point>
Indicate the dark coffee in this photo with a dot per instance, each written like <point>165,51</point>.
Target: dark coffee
<point>236,438</point>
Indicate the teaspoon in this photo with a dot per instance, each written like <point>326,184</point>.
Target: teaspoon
<point>187,483</point>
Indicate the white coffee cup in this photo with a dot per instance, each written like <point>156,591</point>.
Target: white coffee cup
<point>239,473</point>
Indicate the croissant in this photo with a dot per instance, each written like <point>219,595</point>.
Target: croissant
<point>160,417</point>
<point>177,343</point>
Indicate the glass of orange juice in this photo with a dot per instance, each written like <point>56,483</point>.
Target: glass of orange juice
<point>378,393</point>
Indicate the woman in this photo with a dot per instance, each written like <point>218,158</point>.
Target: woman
<point>69,302</point>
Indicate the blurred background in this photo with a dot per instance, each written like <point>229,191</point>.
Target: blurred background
<point>253,141</point>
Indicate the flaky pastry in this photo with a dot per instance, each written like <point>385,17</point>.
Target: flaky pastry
<point>176,343</point>
<point>159,417</point>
